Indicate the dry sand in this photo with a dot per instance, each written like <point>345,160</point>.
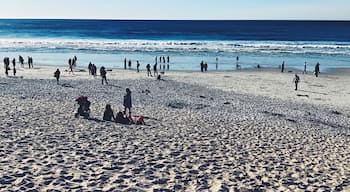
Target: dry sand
<point>205,132</point>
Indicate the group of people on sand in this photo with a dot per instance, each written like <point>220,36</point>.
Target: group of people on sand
<point>204,66</point>
<point>163,60</point>
<point>316,71</point>
<point>108,115</point>
<point>157,65</point>
<point>92,69</point>
<point>296,78</point>
<point>7,64</point>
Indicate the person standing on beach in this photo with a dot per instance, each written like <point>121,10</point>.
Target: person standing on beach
<point>282,67</point>
<point>14,66</point>
<point>155,70</point>
<point>168,63</point>
<point>21,60</point>
<point>216,63</point>
<point>57,75</point>
<point>296,81</point>
<point>148,67</point>
<point>206,67</point>
<point>31,62</point>
<point>89,67</point>
<point>138,66</point>
<point>202,66</point>
<point>5,67</point>
<point>168,59</point>
<point>127,101</point>
<point>70,65</point>
<point>94,70</point>
<point>317,69</point>
<point>125,63</point>
<point>305,72</point>
<point>103,74</point>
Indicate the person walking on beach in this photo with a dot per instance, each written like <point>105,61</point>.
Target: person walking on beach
<point>148,67</point>
<point>305,72</point>
<point>155,70</point>
<point>70,65</point>
<point>57,75</point>
<point>168,59</point>
<point>216,63</point>
<point>296,81</point>
<point>317,69</point>
<point>138,66</point>
<point>127,101</point>
<point>125,63</point>
<point>108,114</point>
<point>282,67</point>
<point>103,74</point>
<point>205,66</point>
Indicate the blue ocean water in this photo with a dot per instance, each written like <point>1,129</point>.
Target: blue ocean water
<point>108,42</point>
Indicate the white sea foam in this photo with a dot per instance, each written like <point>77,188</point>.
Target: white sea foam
<point>266,47</point>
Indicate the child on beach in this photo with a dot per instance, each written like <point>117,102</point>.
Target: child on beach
<point>108,114</point>
<point>57,76</point>
<point>127,101</point>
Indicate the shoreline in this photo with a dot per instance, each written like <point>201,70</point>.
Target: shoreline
<point>331,90</point>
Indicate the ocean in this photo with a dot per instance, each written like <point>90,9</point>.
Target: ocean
<point>187,43</point>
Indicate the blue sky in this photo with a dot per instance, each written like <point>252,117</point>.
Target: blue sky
<point>177,9</point>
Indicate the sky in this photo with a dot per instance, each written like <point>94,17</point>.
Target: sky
<point>178,9</point>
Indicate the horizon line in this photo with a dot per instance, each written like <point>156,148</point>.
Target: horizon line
<point>134,19</point>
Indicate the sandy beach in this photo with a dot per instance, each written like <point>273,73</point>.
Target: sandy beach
<point>218,131</point>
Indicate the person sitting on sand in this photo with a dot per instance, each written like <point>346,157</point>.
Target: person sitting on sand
<point>57,76</point>
<point>103,74</point>
<point>108,114</point>
<point>296,81</point>
<point>120,118</point>
<point>127,101</point>
<point>84,107</point>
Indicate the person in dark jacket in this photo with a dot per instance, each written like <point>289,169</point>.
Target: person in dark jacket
<point>317,69</point>
<point>296,81</point>
<point>127,101</point>
<point>103,74</point>
<point>108,115</point>
<point>57,75</point>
